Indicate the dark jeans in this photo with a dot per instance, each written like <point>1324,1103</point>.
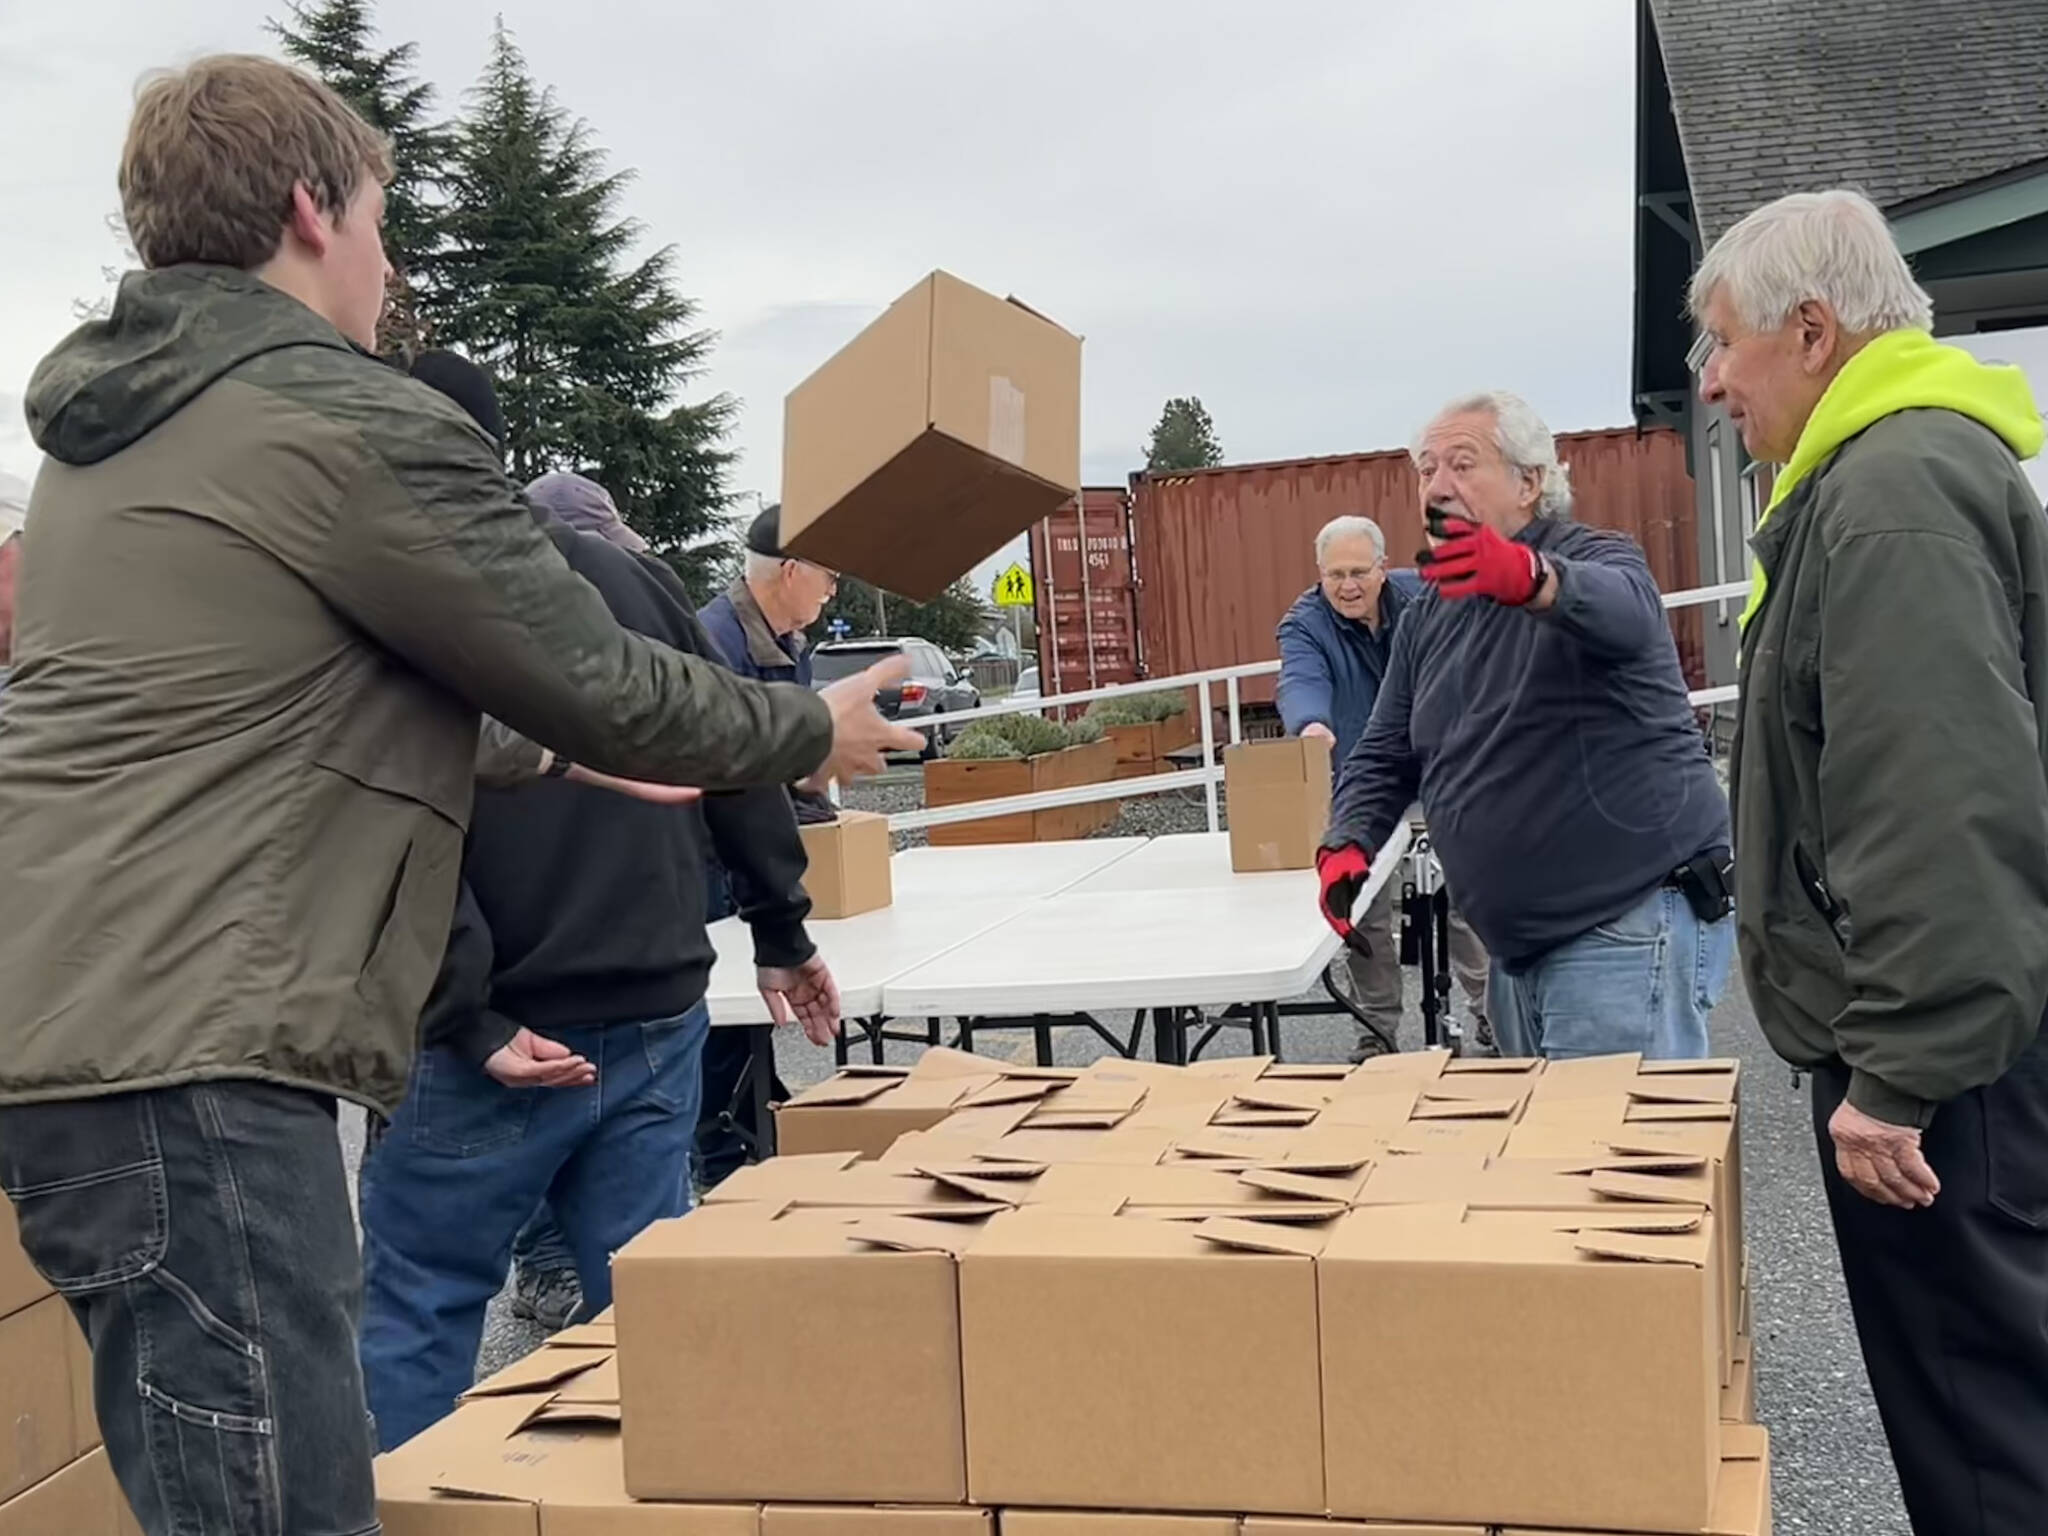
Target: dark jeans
<point>540,1245</point>
<point>464,1165</point>
<point>1951,1306</point>
<point>202,1235</point>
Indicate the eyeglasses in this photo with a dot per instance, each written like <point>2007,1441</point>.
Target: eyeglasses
<point>1704,346</point>
<point>1353,577</point>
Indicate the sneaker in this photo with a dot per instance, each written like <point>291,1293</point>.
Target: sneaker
<point>1370,1045</point>
<point>1482,1036</point>
<point>549,1297</point>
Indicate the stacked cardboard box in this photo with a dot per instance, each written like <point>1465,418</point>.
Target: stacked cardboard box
<point>53,1474</point>
<point>1141,1300</point>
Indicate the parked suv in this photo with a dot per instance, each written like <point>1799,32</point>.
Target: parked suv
<point>935,687</point>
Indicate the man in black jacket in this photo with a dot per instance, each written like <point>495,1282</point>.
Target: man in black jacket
<point>1534,704</point>
<point>561,1050</point>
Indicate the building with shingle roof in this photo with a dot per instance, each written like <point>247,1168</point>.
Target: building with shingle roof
<point>1935,109</point>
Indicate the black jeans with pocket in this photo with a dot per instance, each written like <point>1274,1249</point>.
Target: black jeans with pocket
<point>1951,1305</point>
<point>203,1236</point>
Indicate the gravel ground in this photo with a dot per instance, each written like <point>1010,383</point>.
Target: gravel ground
<point>1832,1476</point>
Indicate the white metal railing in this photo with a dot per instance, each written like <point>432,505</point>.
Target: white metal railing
<point>1209,775</point>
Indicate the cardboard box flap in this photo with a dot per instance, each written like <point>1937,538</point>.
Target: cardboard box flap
<point>1278,1095</point>
<point>1310,1212</point>
<point>843,1090</point>
<point>1496,1107</point>
<point>909,1234</point>
<point>1077,1120</point>
<point>1412,1067</point>
<point>1651,1189</point>
<point>1278,1117</point>
<point>1391,1105</point>
<point>994,1191</point>
<point>1710,1065</point>
<point>873,1068</point>
<point>978,1168</point>
<point>1123,1146</point>
<point>585,1336</point>
<point>1473,1140</point>
<point>1643,1247</point>
<point>1487,1066</point>
<point>562,1414</point>
<point>987,1123</point>
<point>1307,1071</point>
<point>546,1368</point>
<point>1680,1111</point>
<point>1009,1090</point>
<point>1301,1186</point>
<point>945,1061</point>
<point>599,1384</point>
<point>1684,1088</point>
<point>1744,1442</point>
<point>1261,1236</point>
<point>1233,1141</point>
<point>1645,1222</point>
<point>1094,1094</point>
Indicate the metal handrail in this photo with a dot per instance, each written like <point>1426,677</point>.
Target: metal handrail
<point>1208,776</point>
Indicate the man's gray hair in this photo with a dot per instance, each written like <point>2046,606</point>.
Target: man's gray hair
<point>1350,527</point>
<point>763,568</point>
<point>1832,246</point>
<point>1524,441</point>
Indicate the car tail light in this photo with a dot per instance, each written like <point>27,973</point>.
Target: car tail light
<point>912,693</point>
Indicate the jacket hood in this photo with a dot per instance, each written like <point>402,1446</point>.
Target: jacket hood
<point>577,501</point>
<point>1904,371</point>
<point>170,335</point>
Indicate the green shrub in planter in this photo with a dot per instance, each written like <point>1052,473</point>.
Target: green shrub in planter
<point>1163,705</point>
<point>1109,712</point>
<point>1031,735</point>
<point>1081,732</point>
<point>980,744</point>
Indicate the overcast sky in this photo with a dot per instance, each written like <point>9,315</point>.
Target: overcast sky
<point>1320,216</point>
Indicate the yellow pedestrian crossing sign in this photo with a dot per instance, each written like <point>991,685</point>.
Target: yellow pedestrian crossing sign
<point>1013,588</point>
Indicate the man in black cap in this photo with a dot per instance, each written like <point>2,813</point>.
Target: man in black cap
<point>759,623</point>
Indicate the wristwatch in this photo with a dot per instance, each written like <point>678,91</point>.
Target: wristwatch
<point>557,768</point>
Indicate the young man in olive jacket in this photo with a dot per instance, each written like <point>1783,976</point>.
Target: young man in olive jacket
<point>1891,824</point>
<point>269,586</point>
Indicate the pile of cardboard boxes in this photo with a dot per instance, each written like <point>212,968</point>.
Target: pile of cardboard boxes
<point>53,1475</point>
<point>1136,1300</point>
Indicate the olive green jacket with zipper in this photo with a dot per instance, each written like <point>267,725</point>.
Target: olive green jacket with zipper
<point>1890,786</point>
<point>269,584</point>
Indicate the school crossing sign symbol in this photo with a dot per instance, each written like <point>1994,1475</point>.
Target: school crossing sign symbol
<point>1013,588</point>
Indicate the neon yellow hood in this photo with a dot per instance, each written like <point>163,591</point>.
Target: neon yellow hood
<point>1903,371</point>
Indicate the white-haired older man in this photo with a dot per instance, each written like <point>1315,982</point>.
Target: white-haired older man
<point>1335,644</point>
<point>1535,706</point>
<point>1891,812</point>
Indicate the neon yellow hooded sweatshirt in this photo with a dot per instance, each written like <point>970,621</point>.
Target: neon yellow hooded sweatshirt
<point>1903,371</point>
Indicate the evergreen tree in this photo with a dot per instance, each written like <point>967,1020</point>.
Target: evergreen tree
<point>589,348</point>
<point>952,621</point>
<point>336,40</point>
<point>1184,439</point>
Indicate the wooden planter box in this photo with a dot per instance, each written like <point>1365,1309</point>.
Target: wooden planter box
<point>957,782</point>
<point>1142,749</point>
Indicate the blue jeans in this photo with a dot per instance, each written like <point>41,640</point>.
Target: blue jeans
<point>465,1163</point>
<point>1643,981</point>
<point>201,1235</point>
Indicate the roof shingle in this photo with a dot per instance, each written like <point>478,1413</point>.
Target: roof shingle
<point>1900,98</point>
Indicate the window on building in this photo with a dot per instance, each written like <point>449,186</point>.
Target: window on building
<point>1718,516</point>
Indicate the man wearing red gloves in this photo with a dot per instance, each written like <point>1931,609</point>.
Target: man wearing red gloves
<point>1535,705</point>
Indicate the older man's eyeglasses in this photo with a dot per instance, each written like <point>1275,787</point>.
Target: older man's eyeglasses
<point>1704,346</point>
<point>1351,576</point>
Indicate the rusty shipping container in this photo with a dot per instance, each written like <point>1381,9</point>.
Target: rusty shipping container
<point>1223,552</point>
<point>1084,590</point>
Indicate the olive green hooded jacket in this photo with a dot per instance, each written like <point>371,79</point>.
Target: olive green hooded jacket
<point>269,583</point>
<point>1890,785</point>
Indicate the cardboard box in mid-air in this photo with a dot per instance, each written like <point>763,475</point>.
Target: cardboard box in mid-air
<point>1278,795</point>
<point>938,434</point>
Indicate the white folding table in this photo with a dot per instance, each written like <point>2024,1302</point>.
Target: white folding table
<point>1169,929</point>
<point>943,897</point>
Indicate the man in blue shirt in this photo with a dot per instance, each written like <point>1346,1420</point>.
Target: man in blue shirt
<point>1335,644</point>
<point>1535,705</point>
<point>758,623</point>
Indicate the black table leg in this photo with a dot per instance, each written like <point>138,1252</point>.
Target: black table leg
<point>761,1085</point>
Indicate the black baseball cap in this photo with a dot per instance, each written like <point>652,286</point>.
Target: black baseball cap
<point>764,533</point>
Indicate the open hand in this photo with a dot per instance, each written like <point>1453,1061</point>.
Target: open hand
<point>861,738</point>
<point>1882,1162</point>
<point>806,992</point>
<point>528,1060</point>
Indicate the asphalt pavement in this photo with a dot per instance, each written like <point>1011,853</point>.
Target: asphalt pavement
<point>1831,1474</point>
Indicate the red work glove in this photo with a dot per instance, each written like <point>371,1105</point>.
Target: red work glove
<point>1342,873</point>
<point>1474,561</point>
